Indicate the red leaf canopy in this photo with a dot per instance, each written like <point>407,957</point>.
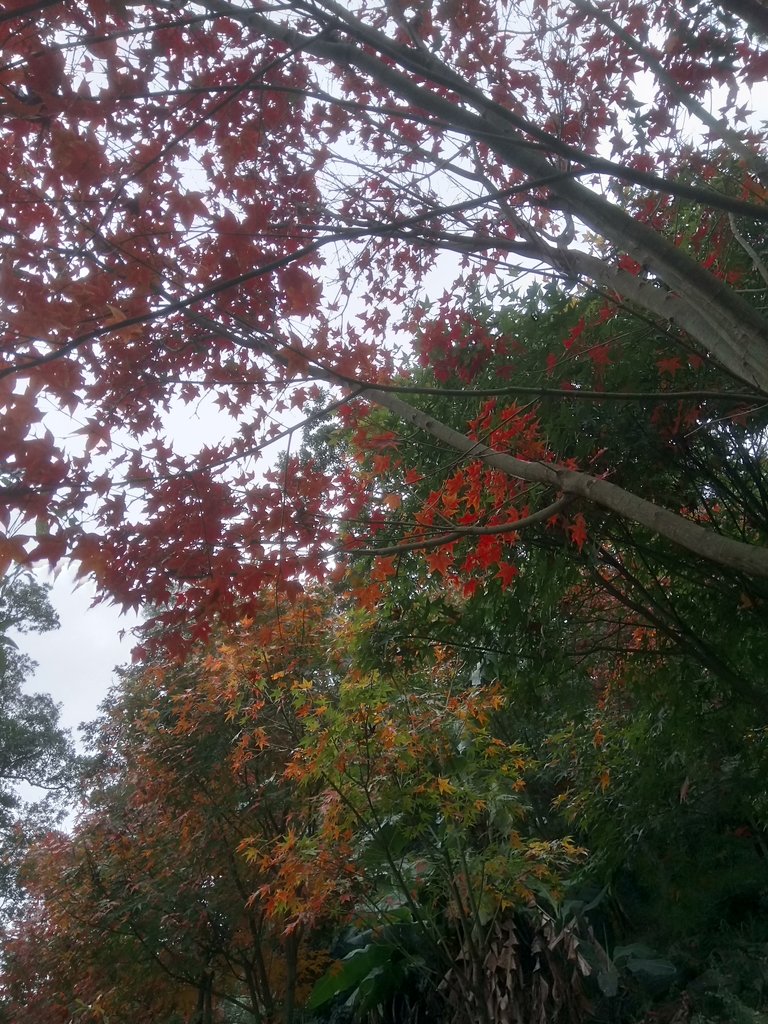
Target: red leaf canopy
<point>241,207</point>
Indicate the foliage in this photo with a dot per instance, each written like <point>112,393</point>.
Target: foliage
<point>195,199</point>
<point>626,672</point>
<point>462,795</point>
<point>150,884</point>
<point>34,751</point>
<point>506,760</point>
<point>432,831</point>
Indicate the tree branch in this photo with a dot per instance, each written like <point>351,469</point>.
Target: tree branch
<point>465,531</point>
<point>715,548</point>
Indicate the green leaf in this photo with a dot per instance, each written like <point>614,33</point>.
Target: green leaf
<point>348,973</point>
<point>608,980</point>
<point>653,968</point>
<point>634,949</point>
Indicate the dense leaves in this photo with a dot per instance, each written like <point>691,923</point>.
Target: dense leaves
<point>243,210</point>
<point>187,767</point>
<point>523,800</point>
<point>36,756</point>
<point>408,365</point>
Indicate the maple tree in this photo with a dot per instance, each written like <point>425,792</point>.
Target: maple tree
<point>234,810</point>
<point>245,207</point>
<point>501,267</point>
<point>429,805</point>
<point>459,802</point>
<point>155,905</point>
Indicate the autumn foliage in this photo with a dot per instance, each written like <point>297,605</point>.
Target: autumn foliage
<point>406,365</point>
<point>239,214</point>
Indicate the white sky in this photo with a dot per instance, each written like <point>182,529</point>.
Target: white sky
<point>75,662</point>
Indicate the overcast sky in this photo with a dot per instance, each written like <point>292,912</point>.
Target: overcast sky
<point>76,662</point>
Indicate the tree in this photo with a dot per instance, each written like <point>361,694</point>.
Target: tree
<point>34,750</point>
<point>466,797</point>
<point>631,675</point>
<point>245,207</point>
<point>429,805</point>
<point>166,901</point>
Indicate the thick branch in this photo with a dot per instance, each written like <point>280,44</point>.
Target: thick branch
<point>735,349</point>
<point>753,12</point>
<point>732,554</point>
<point>713,547</point>
<point>718,315</point>
<point>716,125</point>
<point>577,394</point>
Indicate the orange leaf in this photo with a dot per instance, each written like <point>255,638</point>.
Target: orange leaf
<point>578,531</point>
<point>383,568</point>
<point>440,560</point>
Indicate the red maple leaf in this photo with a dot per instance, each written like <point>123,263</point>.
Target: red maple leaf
<point>600,355</point>
<point>301,291</point>
<point>578,530</point>
<point>440,560</point>
<point>507,574</point>
<point>383,568</point>
<point>669,366</point>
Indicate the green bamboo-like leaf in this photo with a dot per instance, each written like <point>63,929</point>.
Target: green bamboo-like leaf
<point>348,973</point>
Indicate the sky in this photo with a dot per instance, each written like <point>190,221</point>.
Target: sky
<point>76,662</point>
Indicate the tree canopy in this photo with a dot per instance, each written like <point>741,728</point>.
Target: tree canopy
<point>36,755</point>
<point>451,700</point>
<point>447,805</point>
<point>251,208</point>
